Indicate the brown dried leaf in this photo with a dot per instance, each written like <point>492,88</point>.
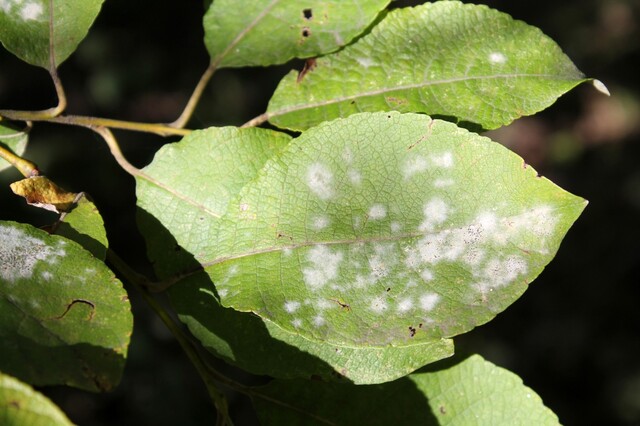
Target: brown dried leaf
<point>39,191</point>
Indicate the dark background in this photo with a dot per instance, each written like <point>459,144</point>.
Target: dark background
<point>575,335</point>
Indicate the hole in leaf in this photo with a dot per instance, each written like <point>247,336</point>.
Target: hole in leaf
<point>306,32</point>
<point>307,13</point>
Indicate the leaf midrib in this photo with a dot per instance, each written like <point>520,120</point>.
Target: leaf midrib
<point>422,84</point>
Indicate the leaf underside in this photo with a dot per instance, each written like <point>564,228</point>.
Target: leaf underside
<point>467,62</point>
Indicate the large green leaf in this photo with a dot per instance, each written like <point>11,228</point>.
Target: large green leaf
<point>25,27</point>
<point>14,140</point>
<point>473,391</point>
<point>64,317</point>
<point>385,229</point>
<point>268,32</point>
<point>220,162</point>
<point>446,58</point>
<point>379,229</point>
<point>21,405</point>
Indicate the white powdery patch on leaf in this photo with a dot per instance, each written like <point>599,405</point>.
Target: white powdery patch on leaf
<point>414,165</point>
<point>325,267</point>
<point>382,261</point>
<point>319,321</point>
<point>443,183</point>
<point>291,306</point>
<point>377,212</point>
<point>497,58</point>
<point>31,11</point>
<point>428,301</point>
<point>320,181</point>
<point>436,211</point>
<point>501,272</point>
<point>444,160</point>
<point>379,305</point>
<point>320,222</point>
<point>20,253</point>
<point>539,222</point>
<point>354,176</point>
<point>27,11</point>
<point>405,305</point>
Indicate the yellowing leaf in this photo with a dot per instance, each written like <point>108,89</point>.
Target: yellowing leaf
<point>39,191</point>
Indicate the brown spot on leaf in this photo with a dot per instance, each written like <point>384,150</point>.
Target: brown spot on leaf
<point>73,303</point>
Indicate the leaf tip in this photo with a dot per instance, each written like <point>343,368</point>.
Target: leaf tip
<point>600,87</point>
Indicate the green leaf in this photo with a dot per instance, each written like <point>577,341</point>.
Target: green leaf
<point>385,229</point>
<point>25,27</point>
<point>169,191</point>
<point>375,230</point>
<point>21,405</point>
<point>64,317</point>
<point>84,225</point>
<point>14,140</point>
<point>469,62</point>
<point>272,32</point>
<point>473,391</point>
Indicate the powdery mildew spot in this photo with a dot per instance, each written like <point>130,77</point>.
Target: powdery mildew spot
<point>377,212</point>
<point>396,227</point>
<point>324,304</point>
<point>320,181</point>
<point>435,212</point>
<point>379,305</point>
<point>428,301</point>
<point>296,322</point>
<point>426,275</point>
<point>405,305</point>
<point>501,272</point>
<point>31,11</point>
<point>539,221</point>
<point>414,165</point>
<point>361,281</point>
<point>497,58</point>
<point>444,160</point>
<point>354,176</point>
<point>319,321</point>
<point>291,306</point>
<point>27,11</point>
<point>443,183</point>
<point>325,267</point>
<point>320,222</point>
<point>365,62</point>
<point>20,253</point>
<point>381,262</point>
